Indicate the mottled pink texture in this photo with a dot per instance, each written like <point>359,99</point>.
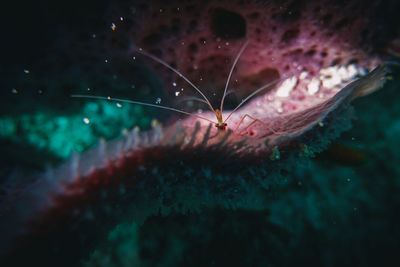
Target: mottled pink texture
<point>285,39</point>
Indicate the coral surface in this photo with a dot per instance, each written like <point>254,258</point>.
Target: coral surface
<point>320,56</point>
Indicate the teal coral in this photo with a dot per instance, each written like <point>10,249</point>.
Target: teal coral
<point>60,134</point>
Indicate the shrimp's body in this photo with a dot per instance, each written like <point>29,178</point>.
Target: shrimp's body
<point>221,125</point>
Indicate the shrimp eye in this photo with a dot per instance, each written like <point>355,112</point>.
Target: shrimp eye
<point>221,126</point>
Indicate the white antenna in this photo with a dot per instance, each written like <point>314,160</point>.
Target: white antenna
<point>141,103</point>
<point>231,71</point>
<point>162,62</point>
<point>252,94</point>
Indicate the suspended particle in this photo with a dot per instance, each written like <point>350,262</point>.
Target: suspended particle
<point>86,120</point>
<point>177,93</point>
<point>113,26</point>
<point>14,91</point>
<point>26,71</point>
<point>158,100</point>
<point>118,105</point>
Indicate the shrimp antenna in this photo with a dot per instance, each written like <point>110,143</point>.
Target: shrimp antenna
<point>140,103</point>
<point>252,94</point>
<point>165,64</point>
<point>231,71</point>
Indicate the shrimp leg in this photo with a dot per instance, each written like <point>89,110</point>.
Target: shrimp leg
<point>243,132</point>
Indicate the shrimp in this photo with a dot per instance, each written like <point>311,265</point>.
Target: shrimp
<point>221,123</point>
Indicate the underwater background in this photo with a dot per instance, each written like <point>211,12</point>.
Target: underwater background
<point>340,207</point>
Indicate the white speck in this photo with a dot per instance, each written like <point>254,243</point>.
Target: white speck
<point>352,69</point>
<point>348,180</point>
<point>134,58</point>
<point>174,84</point>
<point>26,71</point>
<point>313,86</point>
<point>93,35</point>
<point>88,89</point>
<point>106,60</point>
<point>14,91</point>
<point>336,75</point>
<point>86,120</point>
<point>109,97</point>
<point>118,105</point>
<point>330,77</point>
<point>40,91</point>
<point>286,87</point>
<point>161,10</point>
<point>158,100</point>
<point>121,18</point>
<point>320,124</point>
<point>303,75</point>
<point>177,93</point>
<point>113,26</point>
